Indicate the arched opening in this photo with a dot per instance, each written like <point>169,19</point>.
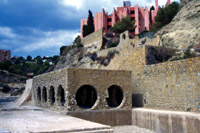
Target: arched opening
<point>52,95</point>
<point>115,96</point>
<point>44,94</point>
<point>61,96</point>
<point>39,94</point>
<point>124,36</point>
<point>86,96</point>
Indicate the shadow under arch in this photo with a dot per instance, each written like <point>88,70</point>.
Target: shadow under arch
<point>115,96</point>
<point>61,96</point>
<point>44,94</point>
<point>39,94</point>
<point>86,96</point>
<point>52,95</point>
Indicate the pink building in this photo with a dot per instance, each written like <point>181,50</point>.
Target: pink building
<point>143,17</point>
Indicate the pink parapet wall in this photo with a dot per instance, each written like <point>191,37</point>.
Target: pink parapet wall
<point>141,16</point>
<point>83,22</point>
<point>156,5</point>
<point>168,2</point>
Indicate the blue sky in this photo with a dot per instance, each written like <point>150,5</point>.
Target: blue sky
<point>41,27</point>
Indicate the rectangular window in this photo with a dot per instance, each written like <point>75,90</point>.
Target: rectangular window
<point>109,20</point>
<point>132,12</point>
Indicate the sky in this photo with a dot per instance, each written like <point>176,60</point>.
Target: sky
<point>41,27</point>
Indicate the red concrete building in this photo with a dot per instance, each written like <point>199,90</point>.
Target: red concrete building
<point>4,55</point>
<point>143,17</point>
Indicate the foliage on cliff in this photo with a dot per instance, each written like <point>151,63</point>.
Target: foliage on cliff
<point>183,31</point>
<point>165,15</point>
<point>89,28</point>
<point>125,24</point>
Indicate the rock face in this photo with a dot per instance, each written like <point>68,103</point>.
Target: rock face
<point>184,30</point>
<point>184,2</point>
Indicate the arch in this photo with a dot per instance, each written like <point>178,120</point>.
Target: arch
<point>52,95</point>
<point>44,94</point>
<point>38,94</point>
<point>115,96</point>
<point>61,96</point>
<point>124,36</point>
<point>86,96</point>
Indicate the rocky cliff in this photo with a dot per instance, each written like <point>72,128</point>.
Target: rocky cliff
<point>184,30</point>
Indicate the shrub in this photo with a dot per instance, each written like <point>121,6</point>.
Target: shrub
<point>89,28</point>
<point>113,44</point>
<point>165,15</point>
<point>123,25</point>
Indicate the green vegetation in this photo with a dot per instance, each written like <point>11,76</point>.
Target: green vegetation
<point>187,54</point>
<point>113,44</point>
<point>165,15</point>
<point>77,42</point>
<point>29,67</point>
<point>143,33</point>
<point>123,25</point>
<point>89,28</point>
<point>66,49</point>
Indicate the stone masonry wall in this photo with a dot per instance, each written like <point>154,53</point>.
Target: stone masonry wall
<point>72,79</point>
<point>54,79</point>
<point>144,55</point>
<point>101,80</point>
<point>95,39</point>
<point>135,61</point>
<point>170,85</point>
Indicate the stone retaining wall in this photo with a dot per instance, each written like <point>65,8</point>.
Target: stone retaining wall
<point>94,39</point>
<point>77,84</point>
<point>170,85</point>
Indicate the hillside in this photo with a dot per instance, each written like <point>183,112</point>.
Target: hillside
<point>12,83</point>
<point>184,30</point>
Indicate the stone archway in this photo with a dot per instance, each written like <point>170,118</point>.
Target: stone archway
<point>39,94</point>
<point>86,96</point>
<point>44,94</point>
<point>115,96</point>
<point>52,95</point>
<point>61,96</point>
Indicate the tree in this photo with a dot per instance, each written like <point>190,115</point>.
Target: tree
<point>29,58</point>
<point>89,28</point>
<point>90,23</point>
<point>37,57</point>
<point>39,61</point>
<point>165,15</point>
<point>77,42</point>
<point>62,49</point>
<point>55,59</point>
<point>150,14</point>
<point>124,24</point>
